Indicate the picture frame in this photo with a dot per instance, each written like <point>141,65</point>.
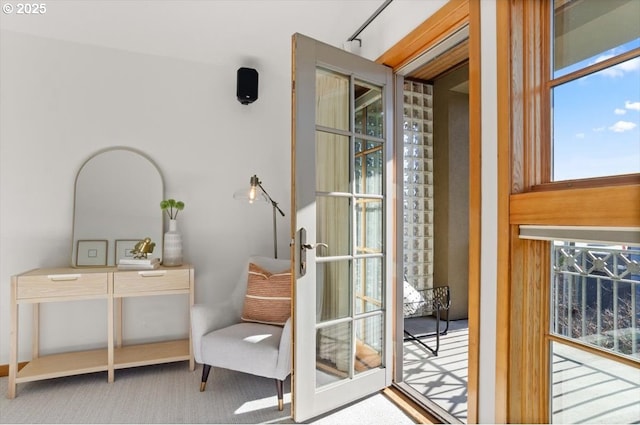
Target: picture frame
<point>92,252</point>
<point>124,248</point>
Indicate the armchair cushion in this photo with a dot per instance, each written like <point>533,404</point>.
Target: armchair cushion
<point>246,347</point>
<point>268,296</point>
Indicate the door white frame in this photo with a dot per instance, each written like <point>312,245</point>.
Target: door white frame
<point>307,401</point>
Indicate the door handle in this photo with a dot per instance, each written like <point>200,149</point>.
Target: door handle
<point>309,246</point>
<point>303,248</point>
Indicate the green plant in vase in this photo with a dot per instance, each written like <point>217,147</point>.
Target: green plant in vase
<point>172,207</point>
<point>172,246</point>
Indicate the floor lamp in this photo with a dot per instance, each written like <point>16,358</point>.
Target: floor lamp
<point>257,192</point>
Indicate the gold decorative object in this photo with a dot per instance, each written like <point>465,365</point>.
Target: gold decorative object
<point>143,248</point>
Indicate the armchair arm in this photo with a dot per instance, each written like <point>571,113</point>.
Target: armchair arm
<point>205,319</point>
<point>283,368</point>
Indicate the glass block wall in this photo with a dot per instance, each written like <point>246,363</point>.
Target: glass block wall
<point>418,184</point>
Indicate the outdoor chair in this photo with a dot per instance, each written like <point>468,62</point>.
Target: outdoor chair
<point>419,306</point>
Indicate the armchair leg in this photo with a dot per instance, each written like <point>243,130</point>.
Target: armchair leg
<point>279,385</point>
<point>205,374</point>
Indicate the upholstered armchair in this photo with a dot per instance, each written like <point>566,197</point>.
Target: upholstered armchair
<point>251,333</point>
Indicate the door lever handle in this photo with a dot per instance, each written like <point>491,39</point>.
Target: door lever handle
<point>301,254</point>
<point>309,246</point>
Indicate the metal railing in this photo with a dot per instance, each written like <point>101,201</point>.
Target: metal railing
<point>595,295</point>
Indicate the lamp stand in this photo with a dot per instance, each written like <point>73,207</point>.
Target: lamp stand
<point>275,206</point>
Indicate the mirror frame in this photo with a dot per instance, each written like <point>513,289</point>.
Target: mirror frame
<point>159,243</point>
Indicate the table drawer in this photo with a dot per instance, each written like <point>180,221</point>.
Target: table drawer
<point>62,285</point>
<point>140,281</point>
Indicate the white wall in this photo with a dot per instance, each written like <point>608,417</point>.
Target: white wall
<point>159,77</point>
<point>62,101</point>
<point>396,20</point>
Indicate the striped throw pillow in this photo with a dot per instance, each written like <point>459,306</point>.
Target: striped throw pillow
<point>268,297</point>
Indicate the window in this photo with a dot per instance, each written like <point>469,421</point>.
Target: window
<point>594,289</point>
<point>595,89</point>
<point>567,61</point>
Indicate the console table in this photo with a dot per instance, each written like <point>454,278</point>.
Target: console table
<point>108,283</point>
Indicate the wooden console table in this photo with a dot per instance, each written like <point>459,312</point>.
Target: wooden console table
<point>108,283</point>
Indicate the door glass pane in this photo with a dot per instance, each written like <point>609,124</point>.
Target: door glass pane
<point>368,167</point>
<point>369,221</point>
<point>368,107</point>
<point>587,388</point>
<point>332,155</point>
<point>332,99</point>
<point>333,353</point>
<point>333,290</point>
<point>368,284</point>
<point>368,353</point>
<point>332,226</point>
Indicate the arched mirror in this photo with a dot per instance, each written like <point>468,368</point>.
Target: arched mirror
<point>117,203</point>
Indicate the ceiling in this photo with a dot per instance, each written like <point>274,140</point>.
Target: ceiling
<point>209,31</point>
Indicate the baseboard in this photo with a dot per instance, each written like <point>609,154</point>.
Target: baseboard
<point>4,368</point>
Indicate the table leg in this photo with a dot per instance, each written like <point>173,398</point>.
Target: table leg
<point>13,356</point>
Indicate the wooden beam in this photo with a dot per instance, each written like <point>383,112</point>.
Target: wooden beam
<point>448,19</point>
<point>598,206</point>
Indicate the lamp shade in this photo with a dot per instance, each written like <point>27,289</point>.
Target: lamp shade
<point>252,193</point>
<point>255,192</point>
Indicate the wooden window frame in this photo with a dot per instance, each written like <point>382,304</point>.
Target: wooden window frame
<point>526,196</point>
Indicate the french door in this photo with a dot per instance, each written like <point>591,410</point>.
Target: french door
<point>342,194</point>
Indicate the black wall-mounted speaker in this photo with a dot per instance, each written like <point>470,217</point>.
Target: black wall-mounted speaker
<point>247,89</point>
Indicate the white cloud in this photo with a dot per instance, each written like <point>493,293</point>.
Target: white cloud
<point>632,105</point>
<point>620,69</point>
<point>580,136</point>
<point>597,129</point>
<point>630,65</point>
<point>622,126</point>
<point>603,58</point>
<point>619,111</point>
<point>614,72</point>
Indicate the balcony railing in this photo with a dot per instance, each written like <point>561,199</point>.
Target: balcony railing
<point>595,295</point>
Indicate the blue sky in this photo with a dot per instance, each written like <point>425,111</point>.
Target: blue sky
<point>596,120</point>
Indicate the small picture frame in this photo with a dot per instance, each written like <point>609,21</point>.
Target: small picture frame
<point>124,248</point>
<point>92,253</point>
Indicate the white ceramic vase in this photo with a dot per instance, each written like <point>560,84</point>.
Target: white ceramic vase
<point>172,246</point>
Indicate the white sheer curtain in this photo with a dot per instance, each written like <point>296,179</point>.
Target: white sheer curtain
<point>334,205</point>
<point>332,175</point>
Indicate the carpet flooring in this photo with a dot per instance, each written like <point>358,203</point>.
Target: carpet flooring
<point>170,393</point>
